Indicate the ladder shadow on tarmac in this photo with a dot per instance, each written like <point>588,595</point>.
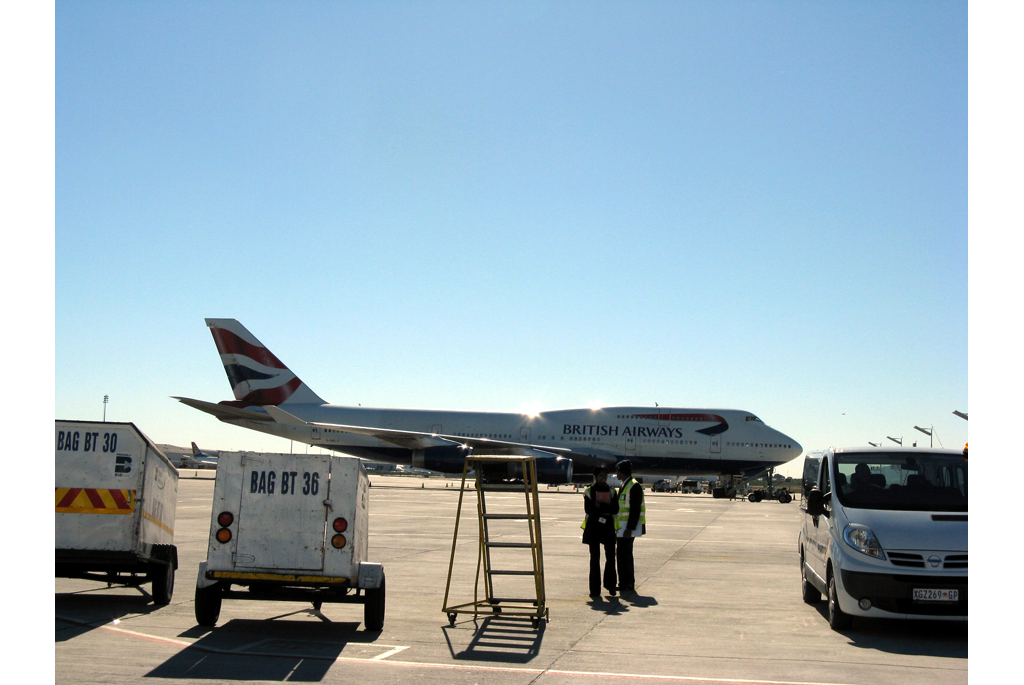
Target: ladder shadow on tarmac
<point>497,638</point>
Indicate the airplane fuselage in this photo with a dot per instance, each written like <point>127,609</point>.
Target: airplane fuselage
<point>657,440</point>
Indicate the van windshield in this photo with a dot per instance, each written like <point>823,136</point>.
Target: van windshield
<point>920,481</point>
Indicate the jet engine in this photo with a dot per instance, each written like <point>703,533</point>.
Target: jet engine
<point>551,469</point>
<point>554,470</point>
<point>444,458</point>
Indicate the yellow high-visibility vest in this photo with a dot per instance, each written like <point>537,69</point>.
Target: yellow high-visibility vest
<point>622,518</point>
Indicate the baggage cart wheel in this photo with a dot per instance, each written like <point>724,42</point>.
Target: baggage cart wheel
<point>163,576</point>
<point>208,601</point>
<point>373,607</point>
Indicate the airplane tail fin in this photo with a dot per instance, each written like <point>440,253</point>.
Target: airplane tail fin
<point>195,450</point>
<point>257,377</point>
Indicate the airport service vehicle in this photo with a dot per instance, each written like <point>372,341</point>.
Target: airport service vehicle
<point>290,527</point>
<point>658,441</point>
<point>663,485</point>
<point>771,492</point>
<point>115,499</point>
<point>885,533</point>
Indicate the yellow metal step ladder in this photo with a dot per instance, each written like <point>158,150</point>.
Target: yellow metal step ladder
<point>503,538</point>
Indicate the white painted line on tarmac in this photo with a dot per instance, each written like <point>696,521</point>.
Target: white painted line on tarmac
<point>394,649</point>
<point>390,652</point>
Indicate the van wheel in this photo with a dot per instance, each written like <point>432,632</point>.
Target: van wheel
<point>837,619</point>
<point>810,593</point>
<point>373,608</point>
<point>208,601</point>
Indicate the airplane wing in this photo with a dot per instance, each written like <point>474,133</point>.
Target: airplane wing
<point>422,440</point>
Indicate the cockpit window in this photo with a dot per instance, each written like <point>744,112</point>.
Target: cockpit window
<point>894,480</point>
<point>751,417</point>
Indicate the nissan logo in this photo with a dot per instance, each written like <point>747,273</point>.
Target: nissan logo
<point>934,561</point>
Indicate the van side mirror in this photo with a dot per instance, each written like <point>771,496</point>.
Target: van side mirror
<point>815,504</point>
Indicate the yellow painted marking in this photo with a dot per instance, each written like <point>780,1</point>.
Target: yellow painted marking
<point>149,517</point>
<point>232,575</point>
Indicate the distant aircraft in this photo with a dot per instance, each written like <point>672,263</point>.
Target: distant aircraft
<point>656,440</point>
<point>198,460</point>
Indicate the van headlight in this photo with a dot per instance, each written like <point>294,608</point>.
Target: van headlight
<point>863,539</point>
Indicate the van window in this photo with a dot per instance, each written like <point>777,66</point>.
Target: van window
<point>898,480</point>
<point>811,464</point>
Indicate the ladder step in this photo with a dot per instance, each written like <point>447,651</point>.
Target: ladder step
<point>512,573</point>
<point>508,516</point>
<point>516,545</point>
<point>511,600</point>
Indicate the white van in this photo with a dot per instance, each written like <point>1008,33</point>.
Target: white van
<point>885,533</point>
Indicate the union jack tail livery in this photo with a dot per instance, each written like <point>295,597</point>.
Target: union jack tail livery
<point>257,377</point>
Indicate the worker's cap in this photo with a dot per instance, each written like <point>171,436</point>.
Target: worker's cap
<point>598,470</point>
<point>624,467</point>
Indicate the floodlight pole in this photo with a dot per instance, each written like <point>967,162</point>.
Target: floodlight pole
<point>106,398</point>
<point>927,431</point>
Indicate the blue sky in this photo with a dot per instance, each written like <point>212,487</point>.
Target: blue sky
<point>497,206</point>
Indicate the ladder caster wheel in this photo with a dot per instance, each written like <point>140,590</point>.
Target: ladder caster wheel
<point>451,619</point>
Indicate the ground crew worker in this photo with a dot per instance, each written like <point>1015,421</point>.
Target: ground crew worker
<point>632,523</point>
<point>599,526</point>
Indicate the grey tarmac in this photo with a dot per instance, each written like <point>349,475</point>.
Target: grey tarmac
<point>717,601</point>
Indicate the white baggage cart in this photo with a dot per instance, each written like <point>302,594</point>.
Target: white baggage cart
<point>292,528</point>
<point>115,500</point>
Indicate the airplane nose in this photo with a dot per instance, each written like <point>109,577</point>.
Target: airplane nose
<point>794,447</point>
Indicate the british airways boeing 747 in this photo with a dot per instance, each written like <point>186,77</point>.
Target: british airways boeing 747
<point>658,441</point>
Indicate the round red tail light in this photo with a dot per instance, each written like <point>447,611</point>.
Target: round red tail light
<point>225,519</point>
<point>340,525</point>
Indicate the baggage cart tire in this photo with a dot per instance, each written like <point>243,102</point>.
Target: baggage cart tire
<point>208,601</point>
<point>373,608</point>
<point>163,574</point>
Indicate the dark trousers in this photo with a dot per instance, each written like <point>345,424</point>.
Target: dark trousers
<point>595,566</point>
<point>624,556</point>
